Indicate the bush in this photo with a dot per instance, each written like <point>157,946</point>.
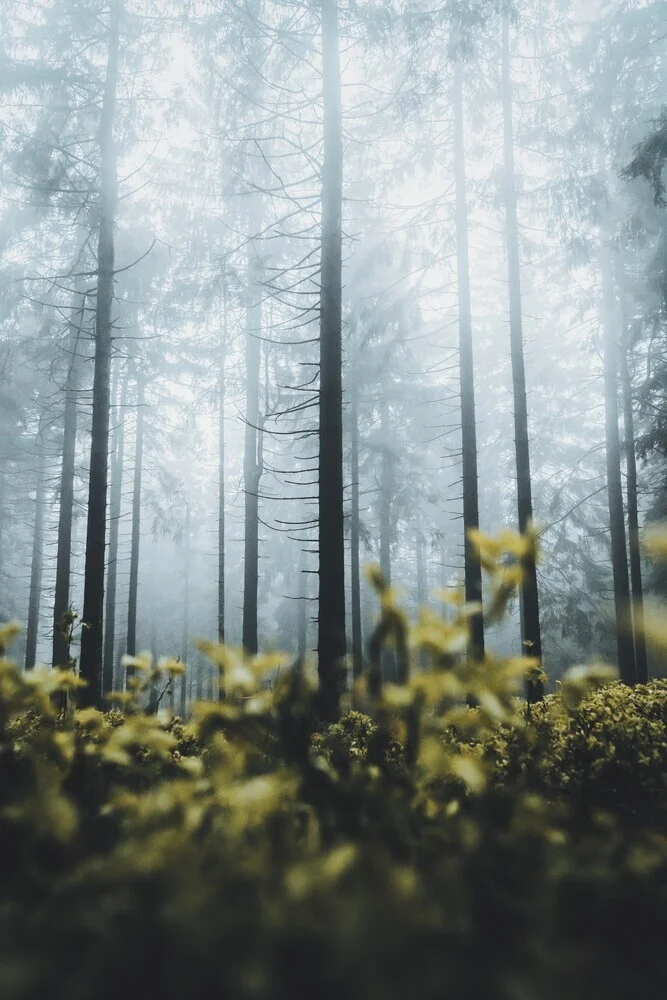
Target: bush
<point>607,752</point>
<point>417,848</point>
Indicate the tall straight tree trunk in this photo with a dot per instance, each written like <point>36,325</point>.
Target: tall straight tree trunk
<point>472,565</point>
<point>530,613</point>
<point>386,493</point>
<point>302,609</point>
<point>422,585</point>
<point>2,534</point>
<point>251,465</point>
<point>641,656</point>
<point>136,522</point>
<point>93,599</point>
<point>110,679</point>
<point>221,479</point>
<point>355,578</point>
<point>619,557</point>
<point>59,651</point>
<point>37,561</point>
<point>331,600</point>
<point>185,628</point>
<point>388,659</point>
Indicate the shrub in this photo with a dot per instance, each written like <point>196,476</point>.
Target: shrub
<point>416,848</point>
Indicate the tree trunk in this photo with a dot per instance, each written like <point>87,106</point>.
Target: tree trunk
<point>59,650</point>
<point>531,638</point>
<point>355,579</point>
<point>37,561</point>
<point>422,585</point>
<point>2,539</point>
<point>388,658</point>
<point>93,600</point>
<point>386,493</point>
<point>251,466</point>
<point>472,566</point>
<point>221,480</point>
<point>185,630</point>
<point>136,522</point>
<point>331,600</point>
<point>619,558</point>
<point>110,680</point>
<point>641,656</point>
<point>302,619</point>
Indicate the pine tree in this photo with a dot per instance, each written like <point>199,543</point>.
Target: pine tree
<point>331,620</point>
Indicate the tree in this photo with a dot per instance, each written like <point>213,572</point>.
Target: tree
<point>252,464</point>
<point>109,679</point>
<point>37,561</point>
<point>619,558</point>
<point>472,565</point>
<point>530,614</point>
<point>61,601</point>
<point>331,620</point>
<point>90,667</point>
<point>131,643</point>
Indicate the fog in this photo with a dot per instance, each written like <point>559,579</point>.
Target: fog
<point>292,288</point>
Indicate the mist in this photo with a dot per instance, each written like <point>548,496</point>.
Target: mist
<point>292,289</point>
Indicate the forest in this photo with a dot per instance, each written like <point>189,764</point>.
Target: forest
<point>333,473</point>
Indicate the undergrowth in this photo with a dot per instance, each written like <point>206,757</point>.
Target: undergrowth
<point>416,848</point>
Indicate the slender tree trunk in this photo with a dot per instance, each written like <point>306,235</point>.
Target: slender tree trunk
<point>331,601</point>
<point>472,566</point>
<point>355,580</point>
<point>386,493</point>
<point>422,585</point>
<point>185,630</point>
<point>59,650</point>
<point>109,679</point>
<point>530,614</point>
<point>444,578</point>
<point>136,522</point>
<point>619,558</point>
<point>251,465</point>
<point>221,480</point>
<point>302,609</point>
<point>641,656</point>
<point>2,537</point>
<point>388,659</point>
<point>93,600</point>
<point>37,561</point>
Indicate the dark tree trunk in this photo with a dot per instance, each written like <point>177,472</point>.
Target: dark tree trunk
<point>37,561</point>
<point>302,613</point>
<point>59,650</point>
<point>93,600</point>
<point>388,659</point>
<point>472,566</point>
<point>619,558</point>
<point>3,516</point>
<point>331,600</point>
<point>530,614</point>
<point>641,656</point>
<point>251,461</point>
<point>422,585</point>
<point>185,630</point>
<point>136,522</point>
<point>221,481</point>
<point>110,678</point>
<point>386,492</point>
<point>355,579</point>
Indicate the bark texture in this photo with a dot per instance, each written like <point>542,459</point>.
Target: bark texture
<point>472,566</point>
<point>530,612</point>
<point>93,600</point>
<point>331,609</point>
